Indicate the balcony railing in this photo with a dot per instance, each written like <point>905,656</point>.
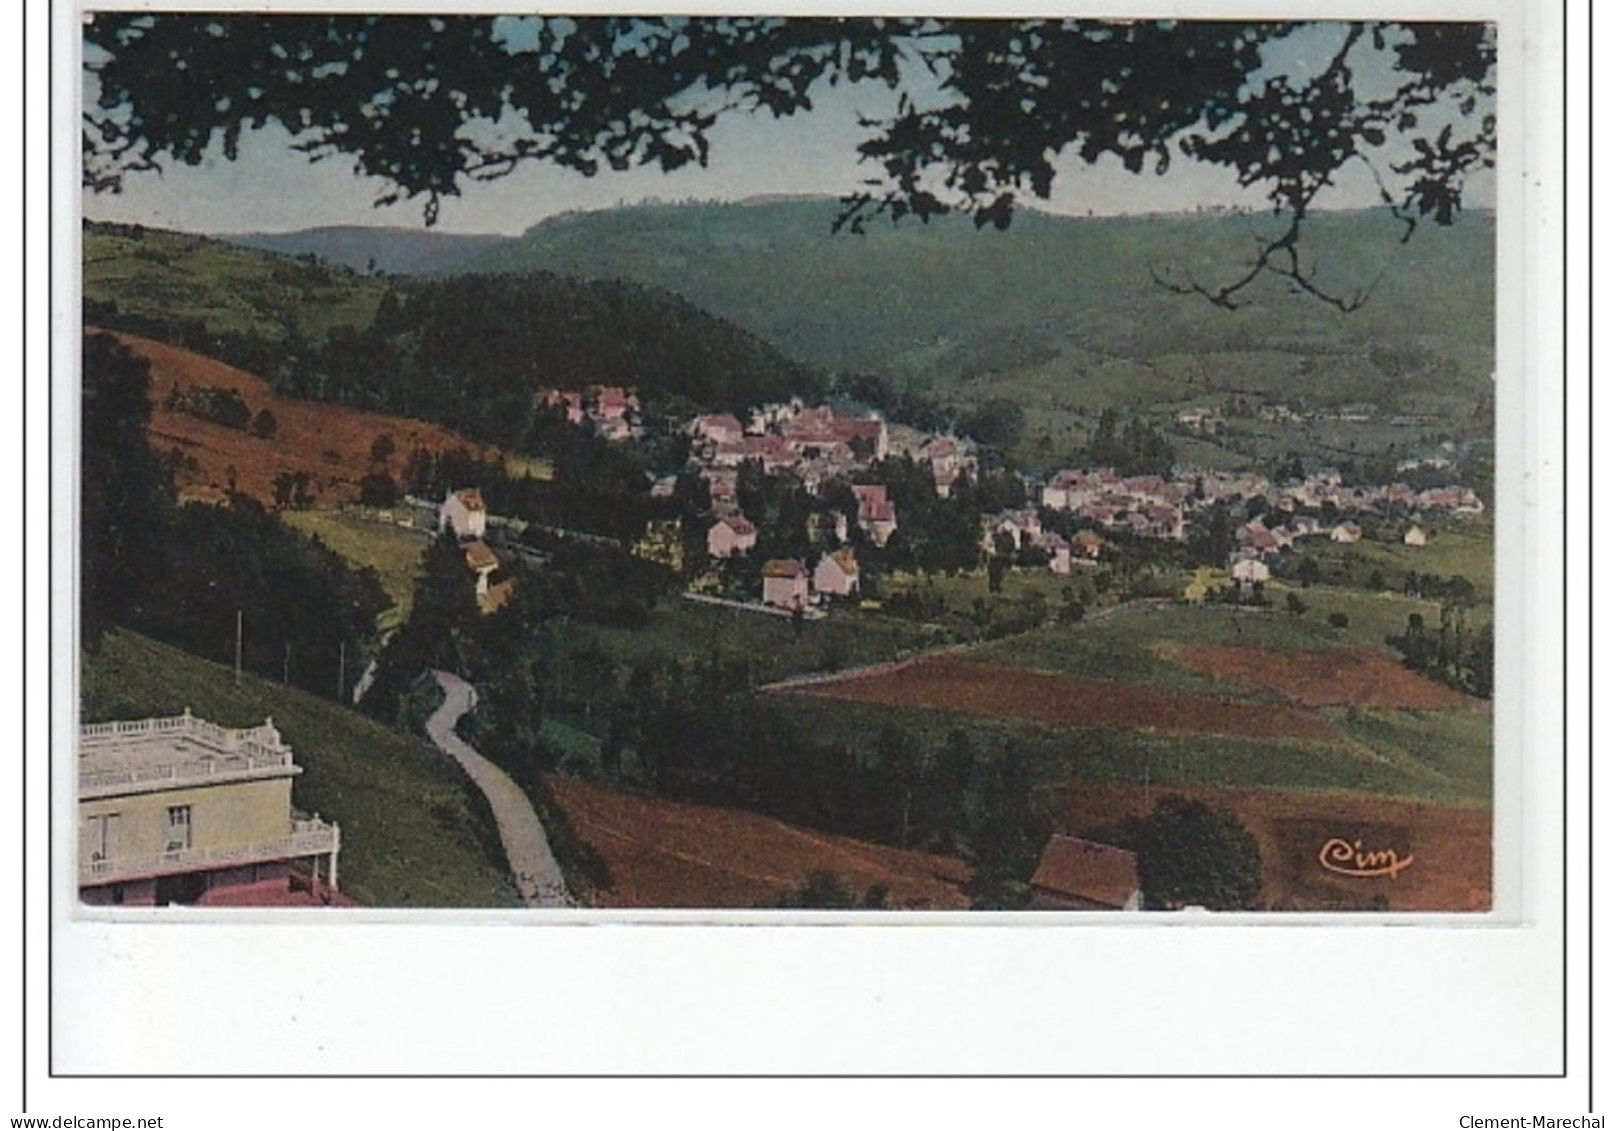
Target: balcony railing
<point>307,838</point>
<point>223,753</point>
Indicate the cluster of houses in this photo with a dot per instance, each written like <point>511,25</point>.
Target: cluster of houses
<point>1324,490</point>
<point>815,445</point>
<point>1151,506</point>
<point>1021,531</point>
<point>611,411</point>
<point>789,584</point>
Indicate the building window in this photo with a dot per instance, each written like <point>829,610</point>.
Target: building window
<point>179,827</point>
<point>101,833</point>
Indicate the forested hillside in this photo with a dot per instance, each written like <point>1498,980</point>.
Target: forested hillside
<point>1066,316</point>
<point>467,352</point>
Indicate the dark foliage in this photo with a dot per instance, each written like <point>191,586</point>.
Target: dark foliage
<point>125,496</point>
<point>304,612</point>
<point>216,405</point>
<point>828,891</point>
<point>1132,449</point>
<point>1192,854</point>
<point>1454,653</point>
<point>472,352</point>
<point>410,100</point>
<point>183,575</point>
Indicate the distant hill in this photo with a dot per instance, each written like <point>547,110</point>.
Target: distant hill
<point>1063,314</point>
<point>390,251</point>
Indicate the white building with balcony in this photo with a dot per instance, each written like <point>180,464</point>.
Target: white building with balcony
<point>180,810</point>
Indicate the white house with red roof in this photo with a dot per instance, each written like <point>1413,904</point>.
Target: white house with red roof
<point>785,584</point>
<point>719,428</point>
<point>730,535</point>
<point>877,514</point>
<point>465,513</point>
<point>480,560</point>
<point>837,574</point>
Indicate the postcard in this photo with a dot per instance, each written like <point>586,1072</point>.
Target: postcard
<point>557,470</point>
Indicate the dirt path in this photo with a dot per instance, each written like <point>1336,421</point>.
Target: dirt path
<point>538,876</point>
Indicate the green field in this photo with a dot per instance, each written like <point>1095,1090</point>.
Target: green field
<point>1455,549</point>
<point>1132,636</point>
<point>175,277</point>
<point>690,632</point>
<point>393,552</point>
<point>1439,756</point>
<point>414,832</point>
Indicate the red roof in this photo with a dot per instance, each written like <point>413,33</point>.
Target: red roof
<point>1086,870</point>
<point>478,556</point>
<point>499,595</point>
<point>847,560</point>
<point>784,568</point>
<point>873,506</point>
<point>722,422</point>
<point>472,498</point>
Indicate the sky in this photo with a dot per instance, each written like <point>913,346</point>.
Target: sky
<point>269,188</point>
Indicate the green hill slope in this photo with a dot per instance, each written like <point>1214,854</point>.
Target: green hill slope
<point>194,284</point>
<point>414,833</point>
<point>466,351</point>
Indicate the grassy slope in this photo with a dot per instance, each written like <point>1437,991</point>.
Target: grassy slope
<point>173,275</point>
<point>1436,757</point>
<point>1465,550</point>
<point>414,834</point>
<point>394,553</point>
<point>692,632</point>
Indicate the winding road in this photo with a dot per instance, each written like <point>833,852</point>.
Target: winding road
<point>538,876</point>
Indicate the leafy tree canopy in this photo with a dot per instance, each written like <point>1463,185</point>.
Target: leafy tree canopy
<point>1190,853</point>
<point>984,110</point>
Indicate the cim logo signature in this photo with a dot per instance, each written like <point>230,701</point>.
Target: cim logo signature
<point>1349,858</point>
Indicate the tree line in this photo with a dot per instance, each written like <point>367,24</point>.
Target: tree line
<point>189,575</point>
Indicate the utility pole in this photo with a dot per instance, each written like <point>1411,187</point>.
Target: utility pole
<point>238,647</point>
<point>341,668</point>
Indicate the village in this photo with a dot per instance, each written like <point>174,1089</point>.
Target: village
<point>1068,521</point>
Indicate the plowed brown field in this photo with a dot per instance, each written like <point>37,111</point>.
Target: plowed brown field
<point>329,443</point>
<point>674,854</point>
<point>1450,847</point>
<point>947,683</point>
<point>1341,678</point>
